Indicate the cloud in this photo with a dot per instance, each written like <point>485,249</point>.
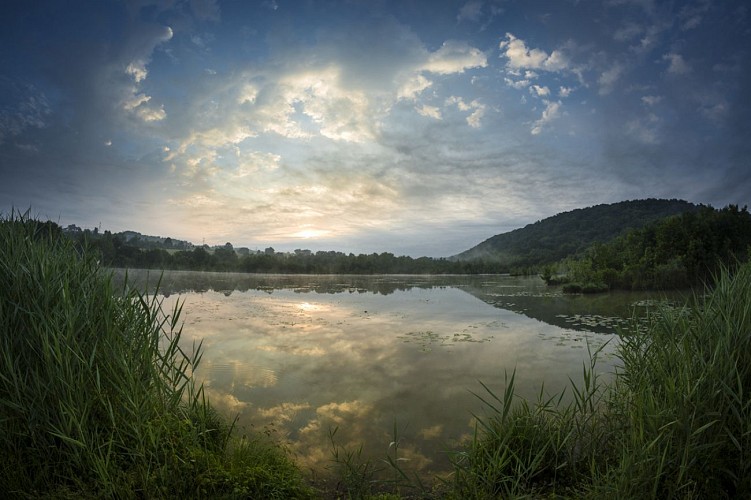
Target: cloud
<point>521,57</point>
<point>539,91</point>
<point>413,87</point>
<point>651,100</point>
<point>478,110</point>
<point>137,69</point>
<point>429,111</point>
<point>134,101</point>
<point>691,16</point>
<point>207,10</point>
<point>628,31</point>
<point>470,11</point>
<point>644,129</point>
<point>454,57</point>
<point>473,120</point>
<point>550,113</point>
<point>516,84</point>
<point>678,65</point>
<point>27,108</point>
<point>150,114</point>
<point>610,77</point>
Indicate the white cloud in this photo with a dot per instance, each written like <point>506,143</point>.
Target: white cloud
<point>133,101</point>
<point>149,114</point>
<point>517,84</point>
<point>610,77</point>
<point>454,57</point>
<point>255,161</point>
<point>138,104</point>
<point>470,11</point>
<point>539,91</point>
<point>565,91</point>
<point>29,109</point>
<point>342,114</point>
<point>137,69</point>
<point>677,64</point>
<point>691,16</point>
<point>715,112</point>
<point>550,113</point>
<point>644,129</point>
<point>628,32</point>
<point>206,9</point>
<point>429,111</point>
<point>473,120</point>
<point>413,87</point>
<point>651,100</point>
<point>477,108</point>
<point>521,57</point>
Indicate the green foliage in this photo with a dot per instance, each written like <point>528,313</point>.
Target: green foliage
<point>676,252</point>
<point>569,233</point>
<point>684,401</point>
<point>96,394</point>
<point>549,448</point>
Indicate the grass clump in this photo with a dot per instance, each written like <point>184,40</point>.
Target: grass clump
<point>682,401</point>
<point>97,397</point>
<point>674,423</point>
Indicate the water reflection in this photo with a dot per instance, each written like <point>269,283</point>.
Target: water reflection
<point>305,354</point>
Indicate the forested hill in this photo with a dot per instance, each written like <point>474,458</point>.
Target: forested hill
<point>567,233</point>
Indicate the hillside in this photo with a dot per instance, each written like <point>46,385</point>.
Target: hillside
<point>567,233</point>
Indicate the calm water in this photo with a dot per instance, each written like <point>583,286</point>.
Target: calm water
<point>302,355</point>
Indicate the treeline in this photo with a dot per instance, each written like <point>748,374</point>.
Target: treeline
<point>676,252</point>
<point>114,251</point>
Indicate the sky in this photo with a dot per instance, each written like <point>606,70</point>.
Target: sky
<point>412,127</point>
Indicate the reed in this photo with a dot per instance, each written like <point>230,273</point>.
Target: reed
<point>97,397</point>
<point>674,423</point>
<point>682,400</point>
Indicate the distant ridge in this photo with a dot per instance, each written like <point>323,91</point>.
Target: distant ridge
<point>567,233</point>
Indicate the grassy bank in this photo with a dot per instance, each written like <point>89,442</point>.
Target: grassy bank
<point>96,395</point>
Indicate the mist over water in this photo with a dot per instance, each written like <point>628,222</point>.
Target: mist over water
<point>302,355</point>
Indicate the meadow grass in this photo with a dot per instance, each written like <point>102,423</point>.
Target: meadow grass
<point>97,397</point>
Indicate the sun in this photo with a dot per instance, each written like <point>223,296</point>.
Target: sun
<point>310,233</point>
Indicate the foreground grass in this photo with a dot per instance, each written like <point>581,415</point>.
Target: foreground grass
<point>97,397</point>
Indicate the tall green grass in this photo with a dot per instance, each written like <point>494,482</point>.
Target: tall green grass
<point>683,400</point>
<point>674,423</point>
<point>97,397</point>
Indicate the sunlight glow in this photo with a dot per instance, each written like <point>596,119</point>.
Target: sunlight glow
<point>307,307</point>
<point>310,233</point>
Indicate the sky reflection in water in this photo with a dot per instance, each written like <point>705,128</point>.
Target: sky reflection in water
<point>302,362</point>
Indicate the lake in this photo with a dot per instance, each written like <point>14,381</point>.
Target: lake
<point>301,355</point>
